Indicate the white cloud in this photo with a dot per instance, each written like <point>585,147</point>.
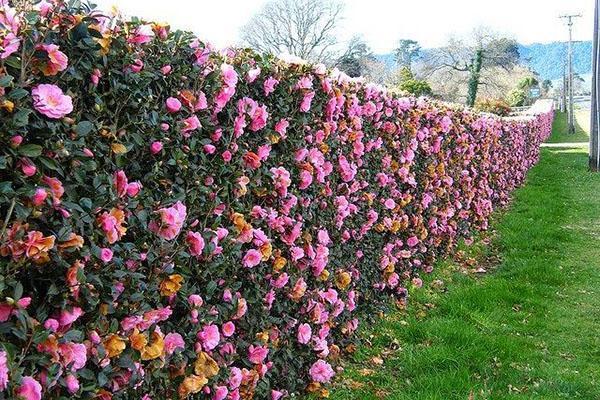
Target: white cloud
<point>382,22</point>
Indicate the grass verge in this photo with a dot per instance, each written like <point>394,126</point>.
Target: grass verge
<point>529,329</point>
<point>560,128</point>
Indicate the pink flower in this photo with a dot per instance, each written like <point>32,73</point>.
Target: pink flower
<point>257,354</point>
<point>259,118</point>
<point>209,336</point>
<point>306,179</point>
<point>137,66</point>
<point>269,85</point>
<point>166,69</point>
<point>16,140</point>
<point>306,101</point>
<point>220,393</point>
<point>28,167</point>
<point>321,372</point>
<point>123,187</point>
<point>73,355</point>
<point>412,241</point>
<point>156,147</point>
<point>252,258</point>
<point>68,317</point>
<point>39,197</point>
<point>51,324</point>
<point>229,75</point>
<point>195,242</point>
<point>276,394</point>
<point>3,370</point>
<point>106,254</point>
<point>57,60</point>
<point>228,329</point>
<point>30,389</point>
<point>50,101</point>
<point>390,204</point>
<point>252,74</point>
<point>173,105</point>
<point>9,44</point>
<point>190,124</point>
<point>304,333</point>
<point>226,156</point>
<point>173,341</point>
<point>96,75</point>
<point>171,221</point>
<point>72,383</point>
<point>209,148</point>
<point>281,127</point>
<point>142,34</point>
<point>347,170</point>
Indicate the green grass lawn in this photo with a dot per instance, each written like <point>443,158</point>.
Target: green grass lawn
<point>560,128</point>
<point>527,329</point>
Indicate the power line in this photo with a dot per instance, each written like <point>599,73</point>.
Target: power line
<point>571,118</point>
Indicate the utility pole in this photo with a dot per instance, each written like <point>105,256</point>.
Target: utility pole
<point>595,110</point>
<point>571,118</point>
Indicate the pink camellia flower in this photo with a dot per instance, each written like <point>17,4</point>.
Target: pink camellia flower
<point>164,126</point>
<point>209,148</point>
<point>252,258</point>
<point>3,370</point>
<point>156,147</point>
<point>57,60</point>
<point>276,394</point>
<point>123,187</point>
<point>252,74</point>
<point>67,317</point>
<point>39,197</point>
<point>321,372</point>
<point>220,393</point>
<point>390,204</point>
<point>16,141</point>
<point>106,254</point>
<point>173,105</point>
<point>210,337</point>
<point>412,241</point>
<point>137,66</point>
<point>50,101</point>
<point>9,44</point>
<point>304,333</point>
<point>190,124</point>
<point>166,69</point>
<point>228,329</point>
<point>171,221</point>
<point>306,101</point>
<point>306,179</point>
<point>226,156</point>
<point>73,355</point>
<point>259,118</point>
<point>281,127</point>
<point>269,85</point>
<point>142,34</point>
<point>72,383</point>
<point>28,167</point>
<point>51,324</point>
<point>257,354</point>
<point>96,75</point>
<point>29,389</point>
<point>229,75</point>
<point>195,243</point>
<point>173,341</point>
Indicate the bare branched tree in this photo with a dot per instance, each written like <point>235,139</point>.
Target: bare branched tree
<point>473,59</point>
<point>304,28</point>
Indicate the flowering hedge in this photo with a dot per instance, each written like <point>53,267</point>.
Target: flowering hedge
<point>184,222</point>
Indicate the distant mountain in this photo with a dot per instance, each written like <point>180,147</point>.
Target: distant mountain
<point>547,59</point>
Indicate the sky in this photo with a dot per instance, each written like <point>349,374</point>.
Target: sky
<point>381,22</point>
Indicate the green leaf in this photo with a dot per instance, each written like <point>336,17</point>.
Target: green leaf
<point>84,127</point>
<point>5,80</point>
<point>18,94</point>
<point>30,150</point>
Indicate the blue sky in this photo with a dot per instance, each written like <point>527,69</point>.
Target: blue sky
<point>381,22</point>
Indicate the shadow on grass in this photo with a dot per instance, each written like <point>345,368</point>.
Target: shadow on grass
<point>527,330</point>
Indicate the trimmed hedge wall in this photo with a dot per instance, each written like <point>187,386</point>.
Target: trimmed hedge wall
<point>179,221</point>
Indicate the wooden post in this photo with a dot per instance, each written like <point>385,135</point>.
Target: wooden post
<point>595,109</point>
